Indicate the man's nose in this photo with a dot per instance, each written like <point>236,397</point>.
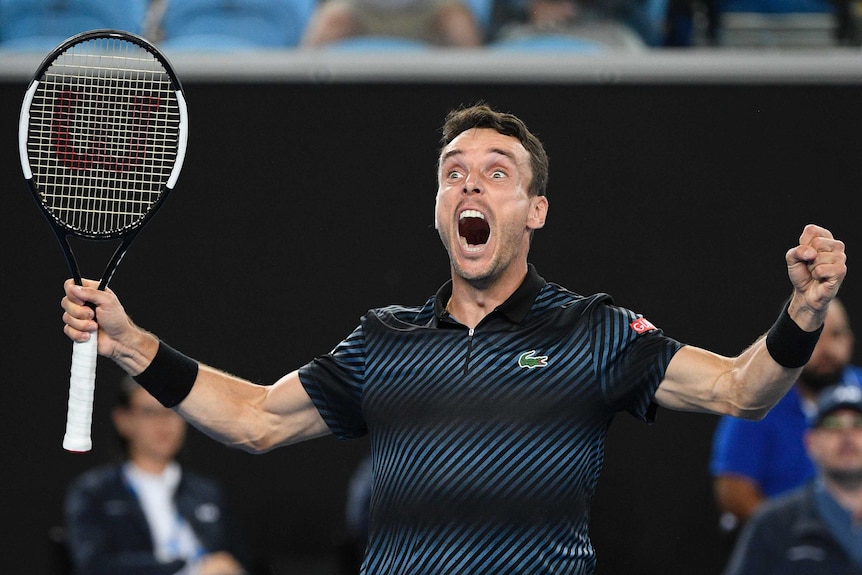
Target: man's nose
<point>472,184</point>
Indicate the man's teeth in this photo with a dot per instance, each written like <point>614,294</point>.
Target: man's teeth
<point>469,247</point>
<point>471,214</point>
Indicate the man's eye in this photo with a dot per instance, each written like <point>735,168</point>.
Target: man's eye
<point>497,174</point>
<point>453,175</point>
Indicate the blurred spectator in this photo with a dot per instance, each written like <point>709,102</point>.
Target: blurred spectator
<point>815,529</point>
<point>435,22</point>
<point>152,23</point>
<point>756,460</point>
<point>620,23</point>
<point>149,516</point>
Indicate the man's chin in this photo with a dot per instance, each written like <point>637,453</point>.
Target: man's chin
<point>478,278</point>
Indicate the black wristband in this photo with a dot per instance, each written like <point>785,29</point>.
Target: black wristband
<point>170,376</point>
<point>788,344</point>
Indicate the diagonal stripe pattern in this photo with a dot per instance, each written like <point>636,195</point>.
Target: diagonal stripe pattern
<point>480,465</point>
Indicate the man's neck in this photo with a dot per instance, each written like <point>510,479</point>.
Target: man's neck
<point>848,494</point>
<point>154,466</point>
<point>470,303</point>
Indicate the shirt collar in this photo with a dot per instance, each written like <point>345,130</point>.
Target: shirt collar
<point>516,306</point>
<point>169,477</point>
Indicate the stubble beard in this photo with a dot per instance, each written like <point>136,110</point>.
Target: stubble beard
<point>817,381</point>
<point>847,479</point>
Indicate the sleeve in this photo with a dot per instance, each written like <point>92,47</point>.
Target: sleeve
<point>740,447</point>
<point>631,358</point>
<point>335,382</point>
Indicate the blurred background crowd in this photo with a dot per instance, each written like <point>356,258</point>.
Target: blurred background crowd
<point>584,26</point>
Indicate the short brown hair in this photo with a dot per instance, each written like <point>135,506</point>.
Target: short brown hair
<point>483,116</point>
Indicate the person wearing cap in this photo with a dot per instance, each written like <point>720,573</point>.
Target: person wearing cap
<point>816,528</point>
<point>753,461</point>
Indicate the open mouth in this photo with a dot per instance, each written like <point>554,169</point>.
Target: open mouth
<point>473,230</point>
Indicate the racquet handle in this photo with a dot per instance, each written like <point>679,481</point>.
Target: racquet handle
<point>82,386</point>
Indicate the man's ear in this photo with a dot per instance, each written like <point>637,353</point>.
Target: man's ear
<point>538,213</point>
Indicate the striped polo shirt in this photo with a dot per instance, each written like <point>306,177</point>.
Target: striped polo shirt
<point>487,443</point>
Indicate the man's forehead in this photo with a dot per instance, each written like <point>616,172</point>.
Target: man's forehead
<point>484,139</point>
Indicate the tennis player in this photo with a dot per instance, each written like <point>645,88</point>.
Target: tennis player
<point>487,405</point>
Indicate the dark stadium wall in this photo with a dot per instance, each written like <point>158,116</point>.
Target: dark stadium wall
<point>303,205</point>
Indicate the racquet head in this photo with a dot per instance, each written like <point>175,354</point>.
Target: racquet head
<point>102,133</point>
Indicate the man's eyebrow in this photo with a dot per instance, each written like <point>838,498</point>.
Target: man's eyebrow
<point>502,152</point>
<point>449,154</point>
<point>458,151</point>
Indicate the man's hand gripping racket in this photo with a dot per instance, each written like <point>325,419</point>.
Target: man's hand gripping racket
<point>102,138</point>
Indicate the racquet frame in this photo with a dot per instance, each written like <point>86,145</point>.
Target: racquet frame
<point>84,354</point>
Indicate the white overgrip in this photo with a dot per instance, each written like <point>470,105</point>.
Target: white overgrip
<point>82,386</point>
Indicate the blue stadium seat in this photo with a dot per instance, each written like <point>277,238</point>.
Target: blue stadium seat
<point>41,25</point>
<point>377,44</point>
<point>228,24</point>
<point>549,43</point>
<point>208,43</point>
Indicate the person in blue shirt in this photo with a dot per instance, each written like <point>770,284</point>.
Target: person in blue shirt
<point>815,529</point>
<point>487,406</point>
<point>756,460</point>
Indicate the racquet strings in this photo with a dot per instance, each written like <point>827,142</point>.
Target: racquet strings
<point>103,135</point>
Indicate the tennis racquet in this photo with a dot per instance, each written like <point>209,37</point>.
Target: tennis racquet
<point>102,137</point>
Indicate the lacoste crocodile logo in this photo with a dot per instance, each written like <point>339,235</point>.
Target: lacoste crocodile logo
<point>529,359</point>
